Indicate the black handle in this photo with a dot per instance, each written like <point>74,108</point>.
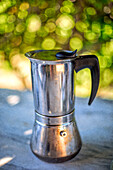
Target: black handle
<point>91,62</point>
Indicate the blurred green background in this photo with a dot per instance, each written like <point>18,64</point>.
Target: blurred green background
<point>56,24</point>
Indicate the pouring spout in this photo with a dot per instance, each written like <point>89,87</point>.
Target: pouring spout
<point>31,53</point>
<point>28,54</point>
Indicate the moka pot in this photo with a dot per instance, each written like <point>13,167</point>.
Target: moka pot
<point>55,136</point>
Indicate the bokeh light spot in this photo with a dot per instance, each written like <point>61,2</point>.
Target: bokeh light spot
<point>63,33</point>
<point>9,27</point>
<point>5,4</point>
<point>33,23</point>
<point>107,76</point>
<point>96,27</point>
<point>107,20</point>
<point>89,35</point>
<point>108,29</point>
<point>81,26</point>
<point>62,40</point>
<point>91,11</point>
<point>13,10</point>
<point>43,32</point>
<point>50,12</point>
<point>3,18</point>
<point>76,43</point>
<point>65,22</point>
<point>2,28</point>
<point>65,9</point>
<point>20,27</point>
<point>43,5</point>
<point>43,17</point>
<point>67,3</point>
<point>107,10</point>
<point>51,26</point>
<point>111,16</point>
<point>24,6</point>
<point>48,44</point>
<point>22,14</point>
<point>11,18</point>
<point>29,37</point>
<point>16,41</point>
<point>68,7</point>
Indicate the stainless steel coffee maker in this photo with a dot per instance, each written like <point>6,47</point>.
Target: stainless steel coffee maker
<point>55,136</point>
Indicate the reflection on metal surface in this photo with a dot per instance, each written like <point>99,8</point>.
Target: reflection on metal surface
<point>60,68</point>
<point>53,88</point>
<point>55,137</point>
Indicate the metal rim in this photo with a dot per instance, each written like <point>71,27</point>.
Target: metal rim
<point>31,53</point>
<point>54,121</point>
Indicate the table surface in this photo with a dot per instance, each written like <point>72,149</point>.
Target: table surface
<point>95,124</point>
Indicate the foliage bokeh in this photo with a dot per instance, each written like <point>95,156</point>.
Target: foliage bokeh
<point>63,24</point>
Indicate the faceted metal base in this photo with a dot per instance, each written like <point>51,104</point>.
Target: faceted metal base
<point>55,139</point>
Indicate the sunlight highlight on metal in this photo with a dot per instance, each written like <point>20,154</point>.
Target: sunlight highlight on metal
<point>60,68</point>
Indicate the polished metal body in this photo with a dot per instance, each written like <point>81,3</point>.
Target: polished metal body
<point>55,135</point>
<point>53,87</point>
<point>55,139</point>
